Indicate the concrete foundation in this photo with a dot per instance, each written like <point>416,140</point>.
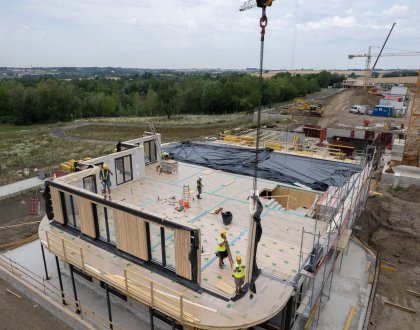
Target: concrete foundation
<point>403,176</point>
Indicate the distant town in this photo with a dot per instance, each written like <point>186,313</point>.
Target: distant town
<point>113,72</point>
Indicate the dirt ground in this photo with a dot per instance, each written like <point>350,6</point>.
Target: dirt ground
<point>336,109</point>
<point>16,223</point>
<point>391,224</point>
<point>22,313</point>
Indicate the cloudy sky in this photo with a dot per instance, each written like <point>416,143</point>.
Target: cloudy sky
<point>315,34</point>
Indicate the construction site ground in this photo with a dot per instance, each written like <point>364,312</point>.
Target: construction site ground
<point>383,223</point>
<point>391,225</point>
<point>336,109</point>
<point>20,313</point>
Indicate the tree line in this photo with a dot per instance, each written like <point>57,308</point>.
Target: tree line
<point>30,101</point>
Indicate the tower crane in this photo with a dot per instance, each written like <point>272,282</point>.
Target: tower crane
<point>369,56</point>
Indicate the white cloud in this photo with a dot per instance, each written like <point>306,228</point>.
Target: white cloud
<point>199,33</point>
<point>395,10</point>
<point>330,22</point>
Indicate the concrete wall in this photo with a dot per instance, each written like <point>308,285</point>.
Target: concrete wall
<point>338,132</point>
<point>403,176</point>
<point>138,166</point>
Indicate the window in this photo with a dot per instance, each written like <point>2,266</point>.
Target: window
<point>89,183</point>
<point>105,227</point>
<point>162,246</point>
<point>156,242</point>
<point>150,155</point>
<point>71,212</point>
<point>123,169</point>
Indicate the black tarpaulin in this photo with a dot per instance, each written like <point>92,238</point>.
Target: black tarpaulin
<point>314,173</point>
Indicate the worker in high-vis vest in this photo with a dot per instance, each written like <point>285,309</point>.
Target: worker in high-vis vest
<point>105,177</point>
<point>222,248</point>
<point>239,274</point>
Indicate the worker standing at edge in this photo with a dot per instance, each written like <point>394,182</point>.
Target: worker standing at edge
<point>239,274</point>
<point>105,177</point>
<point>199,187</point>
<point>222,249</point>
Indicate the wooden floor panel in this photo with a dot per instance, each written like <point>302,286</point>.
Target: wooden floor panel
<point>278,252</point>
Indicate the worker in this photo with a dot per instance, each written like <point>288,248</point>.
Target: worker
<point>222,252</point>
<point>165,155</point>
<point>239,274</point>
<point>199,187</point>
<point>105,177</point>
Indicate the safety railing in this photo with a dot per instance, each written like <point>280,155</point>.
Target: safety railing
<point>60,297</point>
<point>67,250</point>
<point>134,285</point>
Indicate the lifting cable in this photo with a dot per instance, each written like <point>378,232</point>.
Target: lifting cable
<point>263,24</point>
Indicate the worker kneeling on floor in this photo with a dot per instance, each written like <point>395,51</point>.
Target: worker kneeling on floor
<point>239,274</point>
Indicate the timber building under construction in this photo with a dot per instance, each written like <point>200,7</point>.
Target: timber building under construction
<point>160,257</point>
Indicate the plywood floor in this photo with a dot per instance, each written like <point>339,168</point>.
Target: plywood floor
<point>279,248</point>
<point>278,252</point>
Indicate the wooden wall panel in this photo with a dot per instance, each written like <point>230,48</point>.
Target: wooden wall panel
<point>182,250</point>
<point>130,234</point>
<point>56,204</point>
<point>87,223</point>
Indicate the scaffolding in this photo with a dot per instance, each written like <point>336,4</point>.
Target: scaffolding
<point>340,208</point>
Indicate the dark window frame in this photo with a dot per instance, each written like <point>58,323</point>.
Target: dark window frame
<point>123,169</point>
<point>94,182</point>
<point>69,222</point>
<point>164,263</point>
<point>149,156</point>
<point>96,221</point>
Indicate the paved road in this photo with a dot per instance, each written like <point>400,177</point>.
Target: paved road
<point>16,187</point>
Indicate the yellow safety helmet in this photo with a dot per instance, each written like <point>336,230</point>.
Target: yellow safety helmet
<point>105,166</point>
<point>238,258</point>
<point>223,232</point>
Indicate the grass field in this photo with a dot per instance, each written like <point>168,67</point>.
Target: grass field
<point>168,134</point>
<point>34,147</point>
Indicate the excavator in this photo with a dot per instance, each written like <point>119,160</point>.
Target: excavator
<point>308,108</point>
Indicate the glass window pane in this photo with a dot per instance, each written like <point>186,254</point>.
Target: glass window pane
<point>69,211</point>
<point>127,169</point>
<point>170,248</point>
<point>155,243</point>
<point>119,170</point>
<point>100,212</point>
<point>76,212</point>
<point>111,226</point>
<point>89,183</point>
<point>147,152</point>
<point>152,151</point>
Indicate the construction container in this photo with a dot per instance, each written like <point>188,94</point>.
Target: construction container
<point>383,111</point>
<point>227,218</point>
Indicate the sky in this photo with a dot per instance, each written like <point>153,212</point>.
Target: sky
<point>175,34</point>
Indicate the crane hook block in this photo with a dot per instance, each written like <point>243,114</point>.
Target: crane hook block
<point>264,3</point>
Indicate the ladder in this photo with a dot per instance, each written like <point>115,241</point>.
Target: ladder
<point>152,128</point>
<point>186,194</point>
